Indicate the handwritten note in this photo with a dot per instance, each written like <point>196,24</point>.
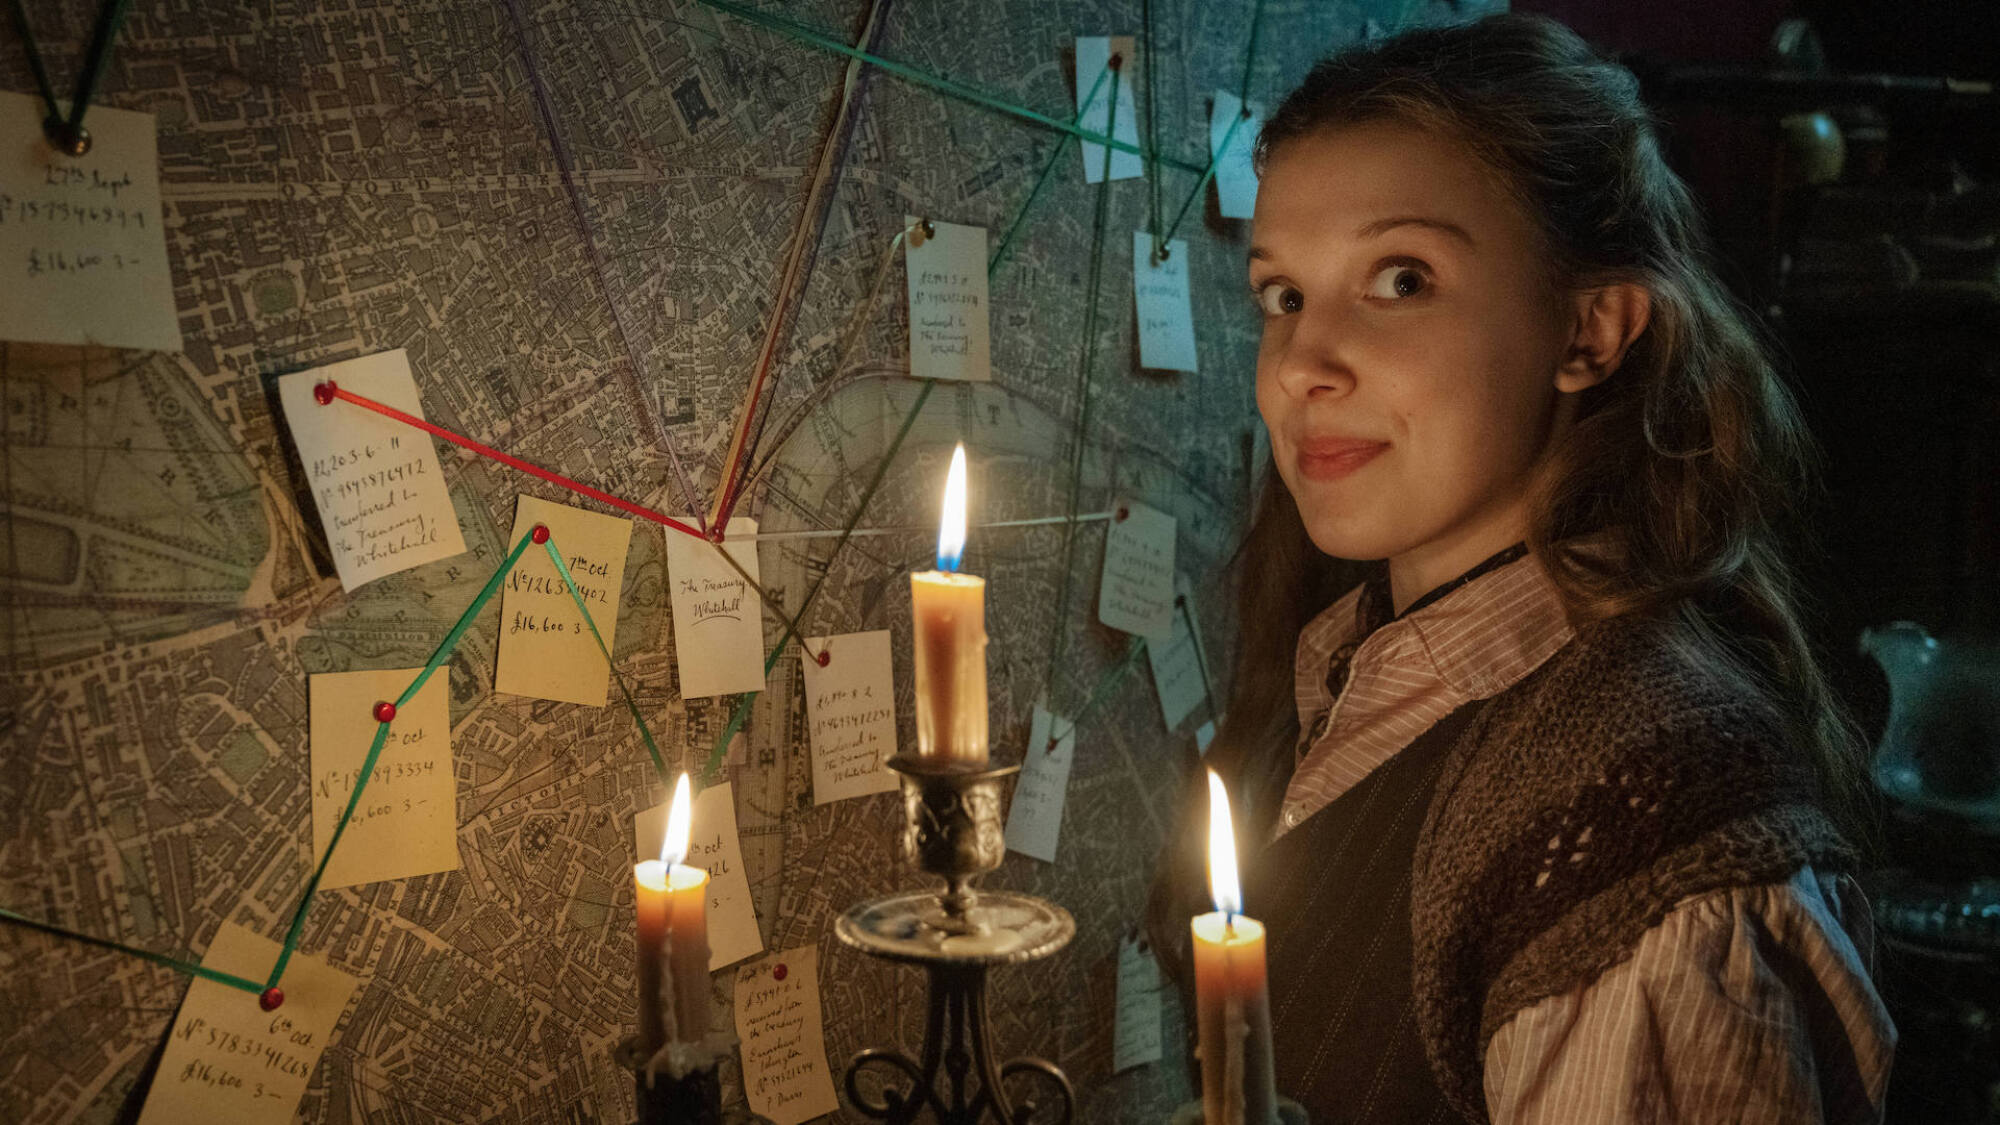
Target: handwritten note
<point>1180,674</point>
<point>1136,590</point>
<point>950,334</point>
<point>714,847</point>
<point>1166,316</point>
<point>407,821</point>
<point>83,253</point>
<point>382,500</point>
<point>227,1059</point>
<point>1034,820</point>
<point>1135,1038</point>
<point>1235,171</point>
<point>546,650</point>
<point>718,618</point>
<point>1093,54</point>
<point>851,706</point>
<point>778,1018</point>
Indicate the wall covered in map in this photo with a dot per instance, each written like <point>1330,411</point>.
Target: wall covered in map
<point>572,218</point>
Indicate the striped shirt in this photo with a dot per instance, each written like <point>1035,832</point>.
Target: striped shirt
<point>1751,1004</point>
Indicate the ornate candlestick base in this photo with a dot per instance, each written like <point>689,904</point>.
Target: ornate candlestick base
<point>954,829</point>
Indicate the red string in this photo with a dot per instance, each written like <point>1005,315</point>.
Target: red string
<point>514,462</point>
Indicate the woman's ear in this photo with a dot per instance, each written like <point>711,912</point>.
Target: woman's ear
<point>1607,321</point>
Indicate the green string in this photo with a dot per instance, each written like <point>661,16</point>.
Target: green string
<point>1207,175</point>
<point>562,568</point>
<point>438,657</point>
<point>1103,689</point>
<point>1250,52</point>
<point>1152,139</point>
<point>803,34</point>
<point>191,968</point>
<point>110,18</point>
<point>1062,145</point>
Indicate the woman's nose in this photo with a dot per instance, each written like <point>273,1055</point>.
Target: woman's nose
<point>1314,356</point>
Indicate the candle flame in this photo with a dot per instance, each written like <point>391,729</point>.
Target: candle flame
<point>951,529</point>
<point>1222,885</point>
<point>674,845</point>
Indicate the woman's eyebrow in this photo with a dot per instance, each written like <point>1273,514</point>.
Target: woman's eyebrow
<point>1383,226</point>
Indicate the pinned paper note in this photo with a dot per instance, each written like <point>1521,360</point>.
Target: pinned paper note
<point>718,618</point>
<point>546,650</point>
<point>407,821</point>
<point>382,500</point>
<point>1093,56</point>
<point>1203,735</point>
<point>1034,820</point>
<point>1136,590</point>
<point>714,847</point>
<point>949,327</point>
<point>851,707</point>
<point>1160,294</point>
<point>1180,669</point>
<point>227,1059</point>
<point>1135,1038</point>
<point>778,1018</point>
<point>83,253</point>
<point>1235,170</point>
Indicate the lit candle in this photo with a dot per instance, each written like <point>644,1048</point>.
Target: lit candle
<point>673,937</point>
<point>951,640</point>
<point>1232,1008</point>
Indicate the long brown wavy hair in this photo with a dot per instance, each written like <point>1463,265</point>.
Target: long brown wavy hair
<point>1687,462</point>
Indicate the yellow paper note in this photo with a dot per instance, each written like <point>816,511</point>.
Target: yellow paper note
<point>407,821</point>
<point>83,254</point>
<point>1136,591</point>
<point>950,334</point>
<point>227,1059</point>
<point>546,650</point>
<point>851,708</point>
<point>778,1018</point>
<point>718,618</point>
<point>714,847</point>
<point>382,499</point>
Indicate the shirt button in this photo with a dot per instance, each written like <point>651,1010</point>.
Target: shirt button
<point>1291,818</point>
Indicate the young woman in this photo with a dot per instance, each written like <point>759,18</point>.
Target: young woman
<point>1552,817</point>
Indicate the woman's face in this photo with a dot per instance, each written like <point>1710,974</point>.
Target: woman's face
<point>1411,345</point>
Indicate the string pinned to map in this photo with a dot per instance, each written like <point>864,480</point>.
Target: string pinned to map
<point>68,136</point>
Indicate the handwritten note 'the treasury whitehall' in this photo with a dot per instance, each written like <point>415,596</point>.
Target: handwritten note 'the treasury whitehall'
<point>950,330</point>
<point>546,650</point>
<point>1235,170</point>
<point>83,254</point>
<point>1034,820</point>
<point>1135,1038</point>
<point>407,821</point>
<point>227,1059</point>
<point>714,847</point>
<point>382,500</point>
<point>1136,591</point>
<point>1166,315</point>
<point>1180,672</point>
<point>1093,56</point>
<point>851,706</point>
<point>778,1018</point>
<point>718,618</point>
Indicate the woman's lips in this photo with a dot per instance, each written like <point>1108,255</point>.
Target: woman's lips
<point>1328,459</point>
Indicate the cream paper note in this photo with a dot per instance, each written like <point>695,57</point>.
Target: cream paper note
<point>778,1019</point>
<point>83,254</point>
<point>1135,1038</point>
<point>714,847</point>
<point>1034,820</point>
<point>718,618</point>
<point>1235,171</point>
<point>382,499</point>
<point>227,1059</point>
<point>851,709</point>
<point>1180,672</point>
<point>1160,294</point>
<point>950,331</point>
<point>407,821</point>
<point>546,650</point>
<point>1093,54</point>
<point>1135,592</point>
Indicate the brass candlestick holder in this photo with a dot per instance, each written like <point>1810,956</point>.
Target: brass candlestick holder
<point>953,828</point>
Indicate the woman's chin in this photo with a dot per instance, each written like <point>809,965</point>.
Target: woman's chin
<point>1345,538</point>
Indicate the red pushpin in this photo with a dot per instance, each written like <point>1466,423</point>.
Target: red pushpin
<point>323,392</point>
<point>715,533</point>
<point>825,657</point>
<point>1116,61</point>
<point>540,534</point>
<point>778,971</point>
<point>385,711</point>
<point>1123,514</point>
<point>271,998</point>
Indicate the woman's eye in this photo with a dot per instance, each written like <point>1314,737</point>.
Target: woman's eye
<point>1394,283</point>
<point>1277,299</point>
